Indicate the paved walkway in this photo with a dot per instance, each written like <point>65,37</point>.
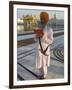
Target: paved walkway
<point>26,69</point>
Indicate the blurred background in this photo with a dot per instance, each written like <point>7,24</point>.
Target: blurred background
<point>28,19</point>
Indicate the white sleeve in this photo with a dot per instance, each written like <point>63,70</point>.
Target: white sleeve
<point>35,39</point>
<point>48,37</point>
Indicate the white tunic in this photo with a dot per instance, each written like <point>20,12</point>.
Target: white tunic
<point>47,39</point>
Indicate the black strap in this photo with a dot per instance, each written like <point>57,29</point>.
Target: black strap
<point>44,52</point>
<point>40,45</point>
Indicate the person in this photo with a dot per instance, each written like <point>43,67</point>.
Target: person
<point>43,47</point>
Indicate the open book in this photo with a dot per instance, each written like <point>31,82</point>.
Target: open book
<point>38,32</point>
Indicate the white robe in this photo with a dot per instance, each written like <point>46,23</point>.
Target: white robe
<point>47,39</point>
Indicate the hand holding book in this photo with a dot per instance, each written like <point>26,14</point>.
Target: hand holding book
<point>38,32</point>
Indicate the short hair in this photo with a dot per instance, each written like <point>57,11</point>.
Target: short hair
<point>45,16</point>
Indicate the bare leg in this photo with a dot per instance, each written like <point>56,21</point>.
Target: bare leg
<point>41,73</point>
<point>45,71</point>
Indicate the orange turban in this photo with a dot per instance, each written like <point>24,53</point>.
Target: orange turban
<point>45,16</point>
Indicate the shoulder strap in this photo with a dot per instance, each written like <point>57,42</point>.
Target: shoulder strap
<point>42,48</point>
<point>40,45</point>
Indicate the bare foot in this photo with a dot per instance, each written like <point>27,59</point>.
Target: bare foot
<point>46,77</point>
